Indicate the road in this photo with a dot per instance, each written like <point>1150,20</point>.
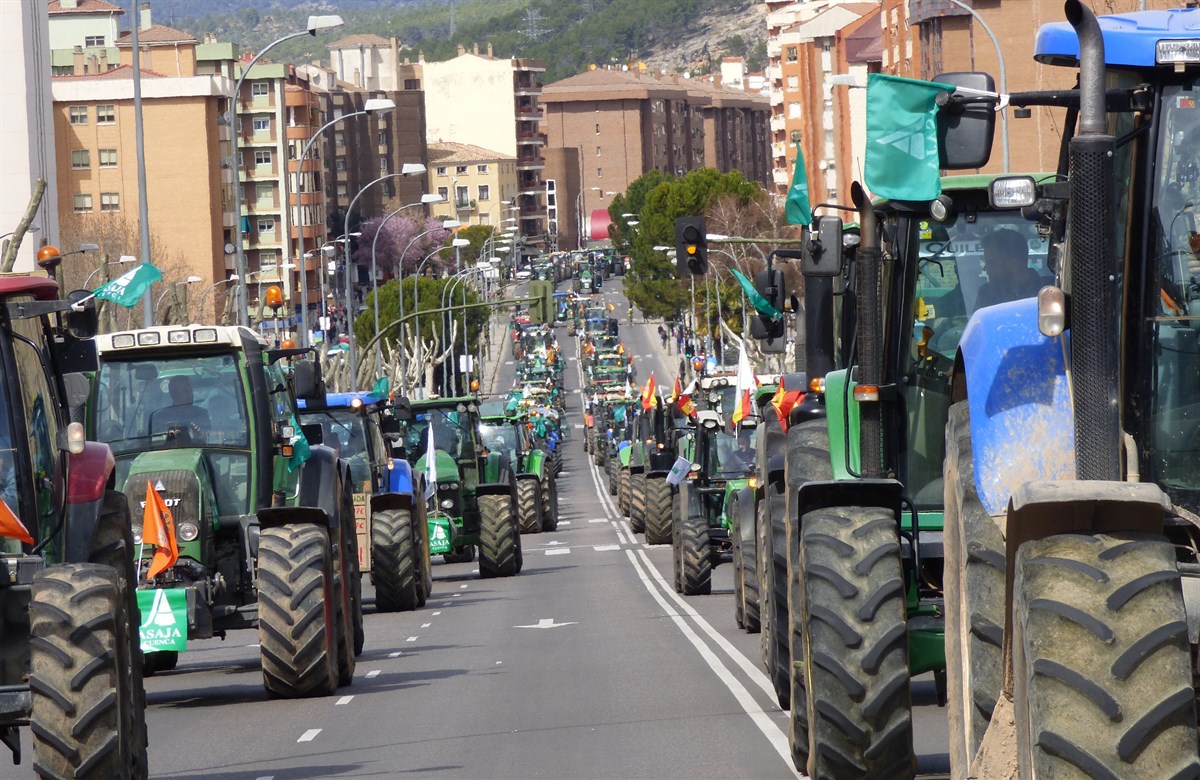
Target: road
<point>587,664</point>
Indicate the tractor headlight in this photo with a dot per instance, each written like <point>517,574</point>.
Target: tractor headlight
<point>450,485</point>
<point>188,531</point>
<point>447,503</point>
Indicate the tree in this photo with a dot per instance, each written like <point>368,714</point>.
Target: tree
<point>400,235</point>
<point>478,236</point>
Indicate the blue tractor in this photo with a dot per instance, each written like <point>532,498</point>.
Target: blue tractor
<point>1072,471</point>
<point>389,509</point>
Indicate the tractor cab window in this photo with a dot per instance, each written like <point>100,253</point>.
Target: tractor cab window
<point>345,431</point>
<point>731,456</point>
<point>1172,302</point>
<point>501,439</point>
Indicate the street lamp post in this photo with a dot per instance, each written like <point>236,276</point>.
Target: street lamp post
<point>212,287</point>
<point>448,295</point>
<point>315,25</point>
<point>172,286</point>
<point>125,259</point>
<point>373,105</point>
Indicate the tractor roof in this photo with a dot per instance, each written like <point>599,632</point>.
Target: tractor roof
<point>40,287</point>
<point>341,400</point>
<point>176,338</point>
<point>1129,39</point>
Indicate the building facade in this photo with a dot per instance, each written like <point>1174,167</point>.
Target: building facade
<point>478,186</point>
<point>83,36</point>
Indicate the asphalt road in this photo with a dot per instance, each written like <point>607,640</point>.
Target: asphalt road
<point>587,664</point>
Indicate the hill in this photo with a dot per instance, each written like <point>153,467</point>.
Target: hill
<point>569,35</point>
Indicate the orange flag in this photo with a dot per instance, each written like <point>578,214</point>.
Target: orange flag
<point>648,393</point>
<point>158,528</point>
<point>11,525</point>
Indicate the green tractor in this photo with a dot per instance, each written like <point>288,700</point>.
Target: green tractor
<point>652,453</point>
<point>722,463</point>
<point>389,509</point>
<point>511,434</point>
<point>205,417</point>
<point>473,490</point>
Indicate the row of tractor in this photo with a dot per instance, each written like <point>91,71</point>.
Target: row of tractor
<point>983,468</point>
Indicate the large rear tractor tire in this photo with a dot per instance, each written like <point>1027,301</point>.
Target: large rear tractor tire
<point>772,593</point>
<point>695,563</point>
<point>499,537</point>
<point>745,549</point>
<point>394,561</point>
<point>85,707</point>
<point>807,460</point>
<point>549,504</point>
<point>623,484</point>
<point>349,608</point>
<point>637,503</point>
<point>529,506</point>
<point>296,612</point>
<point>612,466</point>
<point>975,572</point>
<point>658,510</point>
<point>855,645</point>
<point>1102,673</point>
<point>464,554</point>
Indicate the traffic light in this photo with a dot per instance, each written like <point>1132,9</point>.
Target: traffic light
<point>691,245</point>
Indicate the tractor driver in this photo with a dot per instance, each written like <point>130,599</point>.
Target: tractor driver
<point>742,458</point>
<point>1006,260</point>
<point>182,414</point>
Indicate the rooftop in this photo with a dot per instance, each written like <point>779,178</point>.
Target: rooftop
<point>368,40</point>
<point>119,72</point>
<point>85,7</point>
<point>156,33</point>
<point>454,152</point>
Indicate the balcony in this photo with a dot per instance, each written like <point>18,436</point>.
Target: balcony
<point>778,122</point>
<point>464,205</point>
<point>530,162</point>
<point>531,138</point>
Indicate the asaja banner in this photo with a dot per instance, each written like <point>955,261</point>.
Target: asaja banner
<point>164,619</point>
<point>439,535</point>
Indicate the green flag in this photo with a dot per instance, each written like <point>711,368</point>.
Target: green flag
<point>761,304</point>
<point>127,288</point>
<point>902,147</point>
<point>382,386</point>
<point>798,210</point>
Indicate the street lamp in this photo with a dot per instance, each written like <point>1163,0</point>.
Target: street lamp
<point>97,269</point>
<point>372,106</point>
<point>170,287</point>
<point>315,24</point>
<point>210,288</point>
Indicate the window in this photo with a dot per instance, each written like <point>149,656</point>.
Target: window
<point>83,203</point>
<point>444,194</point>
<point>110,201</point>
<point>485,192</point>
<point>597,128</point>
<point>106,114</point>
<point>264,192</point>
<point>93,40</point>
<point>339,140</point>
<point>81,158</point>
<point>262,157</point>
<point>39,406</point>
<point>460,169</point>
<point>793,83</point>
<point>550,199</point>
<point>460,195</point>
<point>260,89</point>
<point>267,260</point>
<point>792,54</point>
<point>262,124</point>
<point>597,151</point>
<point>341,191</point>
<point>383,136</point>
<point>266,225</point>
<point>78,115</point>
<point>383,165</point>
<point>793,110</point>
<point>599,173</point>
<point>340,164</point>
<point>441,170</point>
<point>481,168</point>
<point>108,158</point>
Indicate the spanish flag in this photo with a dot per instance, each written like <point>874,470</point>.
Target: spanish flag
<point>783,401</point>
<point>648,393</point>
<point>686,405</point>
<point>677,390</point>
<point>747,383</point>
<point>11,525</point>
<point>158,528</point>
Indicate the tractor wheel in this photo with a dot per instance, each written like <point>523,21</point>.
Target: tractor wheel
<point>394,561</point>
<point>807,460</point>
<point>739,606</point>
<point>296,612</point>
<point>744,558</point>
<point>162,661</point>
<point>762,568</point>
<point>975,573</point>
<point>1101,663</point>
<point>550,505</point>
<point>772,591</point>
<point>695,564</point>
<point>529,506</point>
<point>346,562</point>
<point>637,503</point>
<point>462,555</point>
<point>613,467</point>
<point>678,508</point>
<point>623,492</point>
<point>84,677</point>
<point>855,645</point>
<point>498,537</point>
<point>420,532</point>
<point>657,511</point>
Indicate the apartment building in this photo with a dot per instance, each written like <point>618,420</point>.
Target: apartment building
<point>83,36</point>
<point>737,131</point>
<point>479,186</point>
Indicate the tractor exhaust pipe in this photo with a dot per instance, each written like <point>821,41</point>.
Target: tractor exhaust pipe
<point>1095,335</point>
<point>868,272</point>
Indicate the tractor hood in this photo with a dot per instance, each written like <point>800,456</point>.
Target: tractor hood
<point>447,469</point>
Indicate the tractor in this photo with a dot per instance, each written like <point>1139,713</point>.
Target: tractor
<point>473,491</point>
<point>1072,447</point>
<point>510,433</point>
<point>70,660</point>
<point>650,496</point>
<point>722,462</point>
<point>263,522</point>
<point>389,510</point>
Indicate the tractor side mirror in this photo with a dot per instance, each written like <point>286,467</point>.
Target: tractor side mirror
<point>307,382</point>
<point>84,323</point>
<point>402,409</point>
<point>823,250</point>
<point>314,433</point>
<point>965,130</point>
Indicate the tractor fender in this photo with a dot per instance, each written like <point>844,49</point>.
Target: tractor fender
<point>385,502</point>
<point>279,516</point>
<point>89,475</point>
<point>400,477</point>
<point>822,494</point>
<point>535,463</point>
<point>810,407</point>
<point>659,462</point>
<point>500,478</point>
<point>322,478</point>
<point>775,466</point>
<point>1017,392</point>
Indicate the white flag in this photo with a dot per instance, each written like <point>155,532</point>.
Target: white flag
<point>679,470</point>
<point>430,466</point>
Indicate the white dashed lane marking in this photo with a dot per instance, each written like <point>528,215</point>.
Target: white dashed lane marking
<point>309,735</point>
